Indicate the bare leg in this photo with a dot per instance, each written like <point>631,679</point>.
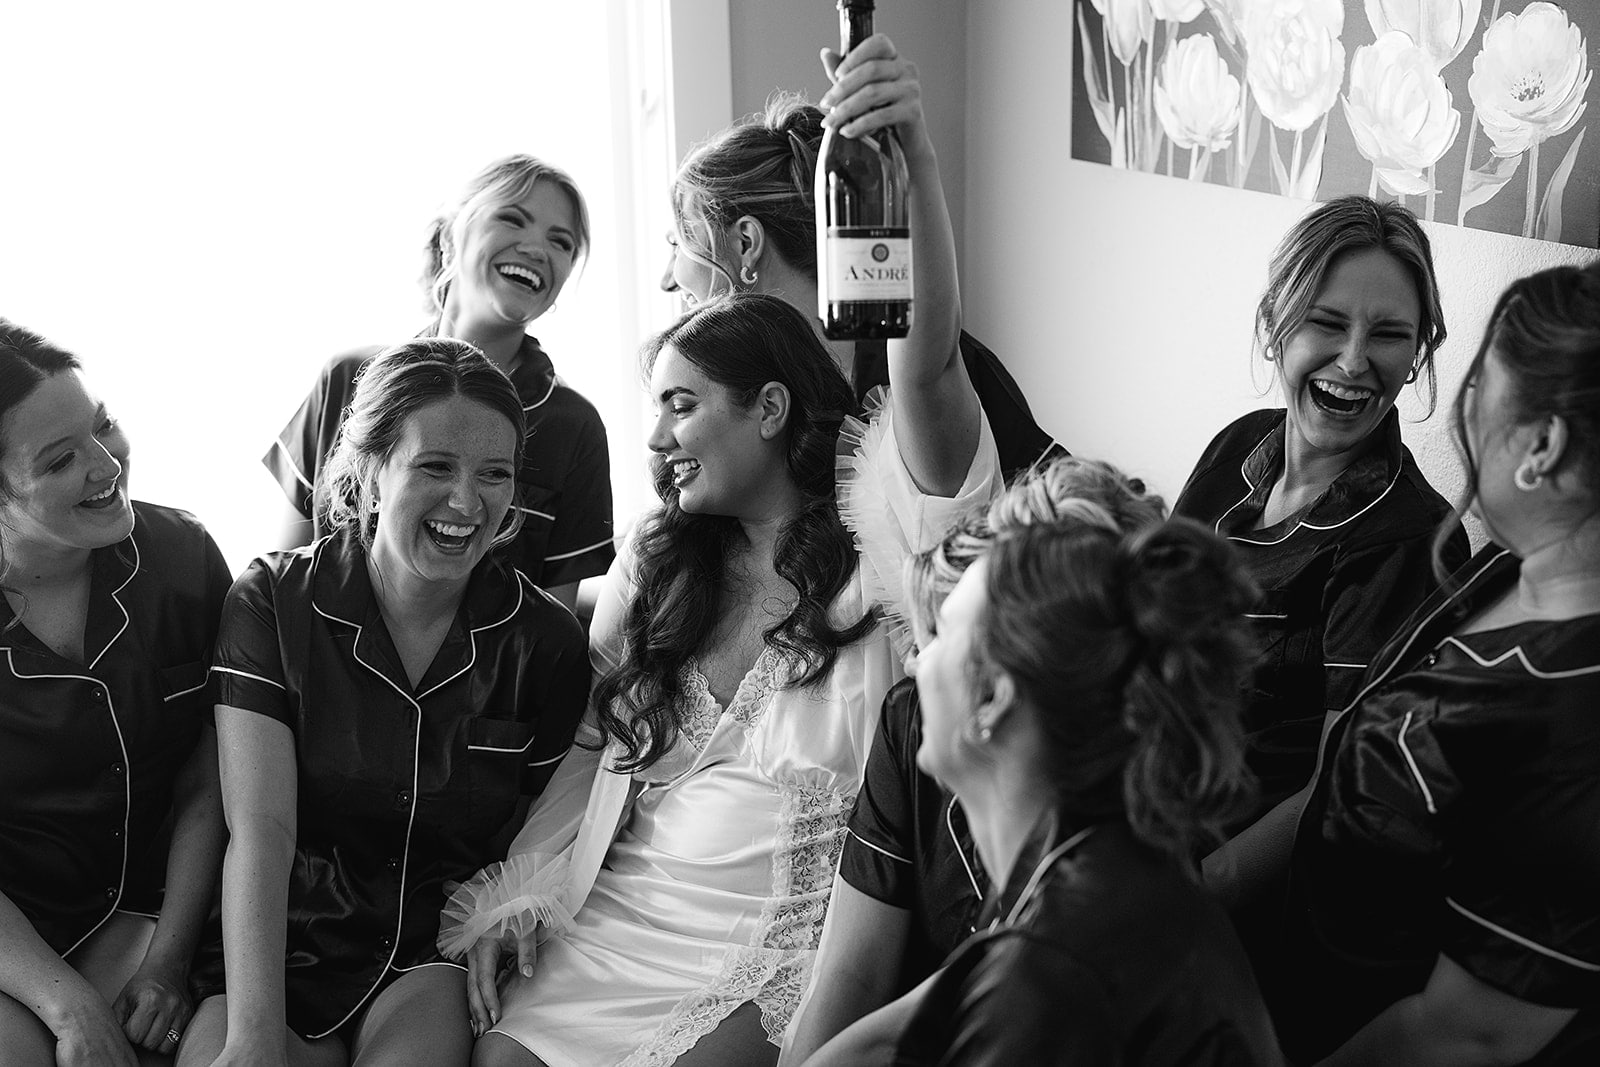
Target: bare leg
<point>498,1050</point>
<point>27,1041</point>
<point>419,1021</point>
<point>738,1040</point>
<point>208,1033</point>
<point>111,955</point>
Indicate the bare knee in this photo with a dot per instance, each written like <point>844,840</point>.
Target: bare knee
<point>206,1033</point>
<point>498,1050</point>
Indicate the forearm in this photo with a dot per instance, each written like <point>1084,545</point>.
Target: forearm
<point>834,1002</point>
<point>856,971</point>
<point>199,837</point>
<point>1458,1020</point>
<point>1408,1033</point>
<point>32,974</point>
<point>1241,870</point>
<point>929,350</point>
<point>255,892</point>
<point>936,408</point>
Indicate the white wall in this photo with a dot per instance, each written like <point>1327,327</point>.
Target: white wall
<point>206,201</point>
<point>1122,301</point>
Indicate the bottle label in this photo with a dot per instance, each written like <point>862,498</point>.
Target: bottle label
<point>868,263</point>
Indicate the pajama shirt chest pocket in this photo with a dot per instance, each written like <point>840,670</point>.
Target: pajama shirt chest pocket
<point>497,760</point>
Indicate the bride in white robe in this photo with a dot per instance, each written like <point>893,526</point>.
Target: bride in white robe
<point>661,900</point>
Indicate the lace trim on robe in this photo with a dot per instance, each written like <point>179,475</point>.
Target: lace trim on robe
<point>775,967</point>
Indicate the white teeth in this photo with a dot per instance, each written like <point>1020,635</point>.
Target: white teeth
<point>684,466</point>
<point>1343,392</point>
<point>447,529</point>
<point>103,495</point>
<point>513,270</point>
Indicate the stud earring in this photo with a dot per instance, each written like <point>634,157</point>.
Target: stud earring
<point>747,275</point>
<point>1526,478</point>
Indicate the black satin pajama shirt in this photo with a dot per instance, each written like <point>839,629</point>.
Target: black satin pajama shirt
<point>401,789</point>
<point>1457,813</point>
<point>89,751</point>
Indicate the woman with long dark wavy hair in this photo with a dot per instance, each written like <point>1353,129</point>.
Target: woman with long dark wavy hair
<point>667,908</point>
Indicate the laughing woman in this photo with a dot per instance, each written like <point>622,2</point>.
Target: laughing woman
<point>386,700</point>
<point>744,664</point>
<point>1087,779</point>
<point>107,621</point>
<point>494,262</point>
<point>1323,499</point>
<point>1446,881</point>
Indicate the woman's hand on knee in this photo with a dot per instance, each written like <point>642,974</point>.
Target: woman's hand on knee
<point>485,963</point>
<point>152,1007</point>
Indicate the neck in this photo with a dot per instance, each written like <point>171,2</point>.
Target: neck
<point>1560,579</point>
<point>1307,471</point>
<point>761,537</point>
<point>1002,810</point>
<point>35,566</point>
<point>499,342</point>
<point>799,290</point>
<point>415,600</point>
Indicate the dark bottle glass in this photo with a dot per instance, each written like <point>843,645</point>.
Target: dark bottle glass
<point>863,233</point>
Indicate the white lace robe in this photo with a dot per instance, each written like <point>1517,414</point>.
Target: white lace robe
<point>670,897</point>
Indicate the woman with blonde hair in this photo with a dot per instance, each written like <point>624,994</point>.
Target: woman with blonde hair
<point>1445,887</point>
<point>495,260</point>
<point>1081,700</point>
<point>910,884</point>
<point>744,219</point>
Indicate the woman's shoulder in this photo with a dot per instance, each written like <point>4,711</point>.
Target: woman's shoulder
<point>159,523</point>
<point>171,539</point>
<point>1245,432</point>
<point>1238,439</point>
<point>536,610</point>
<point>340,370</point>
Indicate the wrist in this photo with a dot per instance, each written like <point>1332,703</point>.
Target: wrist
<point>165,963</point>
<point>73,999</point>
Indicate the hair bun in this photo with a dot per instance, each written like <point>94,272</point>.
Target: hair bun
<point>1183,584</point>
<point>791,115</point>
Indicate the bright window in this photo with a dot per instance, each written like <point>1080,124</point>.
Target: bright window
<point>206,201</point>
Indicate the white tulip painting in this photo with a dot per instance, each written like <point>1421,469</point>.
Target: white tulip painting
<point>1468,111</point>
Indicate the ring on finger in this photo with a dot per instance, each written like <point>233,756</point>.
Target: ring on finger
<point>174,1036</point>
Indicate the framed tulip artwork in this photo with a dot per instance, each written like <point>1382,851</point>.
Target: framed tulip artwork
<point>1475,112</point>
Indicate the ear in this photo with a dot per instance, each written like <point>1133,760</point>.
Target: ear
<point>1547,445</point>
<point>752,238</point>
<point>772,408</point>
<point>1001,699</point>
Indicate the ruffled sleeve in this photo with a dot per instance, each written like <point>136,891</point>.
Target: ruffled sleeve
<point>551,864</point>
<point>889,516</point>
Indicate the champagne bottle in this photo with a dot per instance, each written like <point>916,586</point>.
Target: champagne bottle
<point>863,233</point>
